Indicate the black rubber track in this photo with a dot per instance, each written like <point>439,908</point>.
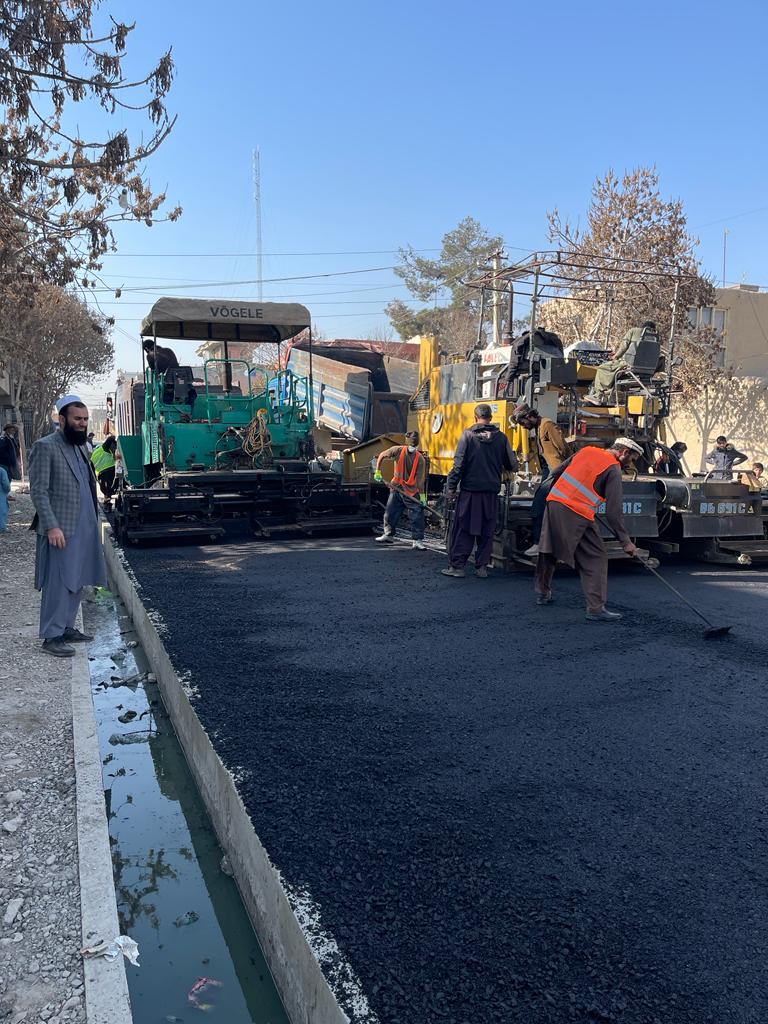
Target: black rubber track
<point>505,814</point>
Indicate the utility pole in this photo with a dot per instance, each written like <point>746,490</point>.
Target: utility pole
<point>496,300</point>
<point>257,198</point>
<point>725,237</point>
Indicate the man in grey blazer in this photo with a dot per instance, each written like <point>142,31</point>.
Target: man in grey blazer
<point>69,556</point>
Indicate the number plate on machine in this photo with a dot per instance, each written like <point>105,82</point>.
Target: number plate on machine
<point>724,508</point>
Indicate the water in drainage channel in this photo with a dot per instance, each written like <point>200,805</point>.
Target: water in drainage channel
<point>198,951</point>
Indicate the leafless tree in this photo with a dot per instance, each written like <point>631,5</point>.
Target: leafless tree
<point>61,190</point>
<point>622,265</point>
<point>47,344</point>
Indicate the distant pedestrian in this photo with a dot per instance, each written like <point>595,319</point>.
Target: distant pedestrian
<point>9,451</point>
<point>757,471</point>
<point>724,457</point>
<point>553,450</point>
<point>5,490</point>
<point>407,490</point>
<point>483,454</point>
<point>90,443</point>
<point>666,466</point>
<point>570,534</point>
<point>69,555</point>
<point>103,459</point>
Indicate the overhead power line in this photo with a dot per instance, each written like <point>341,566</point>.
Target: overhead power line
<point>229,255</point>
<point>250,280</point>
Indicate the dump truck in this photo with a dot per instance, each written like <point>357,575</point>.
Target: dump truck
<point>232,440</point>
<point>359,388</point>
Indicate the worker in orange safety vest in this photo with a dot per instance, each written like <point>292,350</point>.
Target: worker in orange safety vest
<point>585,484</point>
<point>407,489</point>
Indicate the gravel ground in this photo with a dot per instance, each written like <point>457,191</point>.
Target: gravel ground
<point>505,814</point>
<point>41,976</point>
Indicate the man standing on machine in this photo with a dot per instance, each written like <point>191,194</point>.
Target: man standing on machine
<point>570,534</point>
<point>407,489</point>
<point>159,358</point>
<point>553,451</point>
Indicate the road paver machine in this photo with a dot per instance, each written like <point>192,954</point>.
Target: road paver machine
<point>674,511</point>
<point>231,440</point>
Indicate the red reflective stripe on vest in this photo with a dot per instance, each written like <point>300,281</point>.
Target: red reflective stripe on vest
<point>575,487</point>
<point>398,477</point>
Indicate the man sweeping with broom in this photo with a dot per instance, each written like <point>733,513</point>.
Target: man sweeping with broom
<point>584,482</point>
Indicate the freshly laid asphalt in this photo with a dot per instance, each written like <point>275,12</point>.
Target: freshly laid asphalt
<point>505,814</point>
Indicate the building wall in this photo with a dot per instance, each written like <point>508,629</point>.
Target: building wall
<point>738,405</point>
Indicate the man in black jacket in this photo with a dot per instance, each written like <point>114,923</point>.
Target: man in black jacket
<point>482,455</point>
<point>9,452</point>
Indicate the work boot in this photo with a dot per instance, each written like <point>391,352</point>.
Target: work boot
<point>419,545</point>
<point>74,636</point>
<point>532,551</point>
<point>482,572</point>
<point>604,616</point>
<point>58,648</point>
<point>385,538</point>
<point>545,598</point>
<point>458,574</point>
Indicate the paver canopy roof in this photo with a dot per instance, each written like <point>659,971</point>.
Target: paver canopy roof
<point>225,320</point>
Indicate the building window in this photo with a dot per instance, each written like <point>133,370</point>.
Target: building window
<point>708,316</point>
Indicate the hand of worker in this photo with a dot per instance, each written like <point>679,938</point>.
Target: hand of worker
<point>378,477</point>
<point>423,498</point>
<point>630,549</point>
<point>56,538</point>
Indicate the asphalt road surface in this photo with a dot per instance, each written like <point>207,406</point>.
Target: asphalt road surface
<point>505,814</point>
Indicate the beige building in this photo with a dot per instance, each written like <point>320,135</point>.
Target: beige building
<point>738,405</point>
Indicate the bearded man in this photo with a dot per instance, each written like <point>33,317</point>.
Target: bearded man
<point>69,555</point>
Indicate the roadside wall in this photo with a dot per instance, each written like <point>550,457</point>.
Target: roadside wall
<point>737,407</point>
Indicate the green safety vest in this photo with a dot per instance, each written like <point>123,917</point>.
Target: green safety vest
<point>102,460</point>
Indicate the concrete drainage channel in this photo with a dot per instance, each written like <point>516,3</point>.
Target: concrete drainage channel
<point>174,812</point>
<point>175,893</point>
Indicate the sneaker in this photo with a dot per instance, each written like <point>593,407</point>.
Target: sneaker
<point>482,572</point>
<point>544,598</point>
<point>532,551</point>
<point>604,616</point>
<point>58,648</point>
<point>74,636</point>
<point>419,545</point>
<point>458,574</point>
<point>385,538</point>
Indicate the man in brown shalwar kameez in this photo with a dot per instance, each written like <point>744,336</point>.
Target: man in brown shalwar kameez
<point>589,479</point>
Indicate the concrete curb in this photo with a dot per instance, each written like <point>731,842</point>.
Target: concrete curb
<point>303,987</point>
<point>106,986</point>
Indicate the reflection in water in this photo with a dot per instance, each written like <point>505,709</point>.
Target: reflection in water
<point>198,952</point>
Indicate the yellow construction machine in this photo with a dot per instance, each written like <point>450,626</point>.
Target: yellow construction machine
<point>665,508</point>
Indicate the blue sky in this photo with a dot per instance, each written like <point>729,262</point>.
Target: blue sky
<point>381,125</point>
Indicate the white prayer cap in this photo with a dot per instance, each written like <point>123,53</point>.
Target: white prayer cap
<point>67,400</point>
<point>626,442</point>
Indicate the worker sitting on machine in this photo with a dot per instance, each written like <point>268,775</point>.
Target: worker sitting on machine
<point>625,358</point>
<point>407,489</point>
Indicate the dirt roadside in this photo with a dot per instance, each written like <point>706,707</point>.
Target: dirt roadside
<point>41,973</point>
